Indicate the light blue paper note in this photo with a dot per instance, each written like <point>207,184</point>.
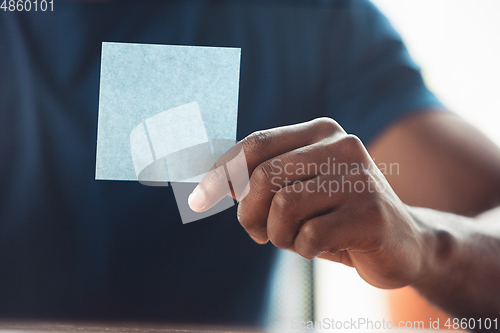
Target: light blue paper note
<point>165,112</point>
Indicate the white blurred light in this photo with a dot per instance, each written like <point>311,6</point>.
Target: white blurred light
<point>457,44</point>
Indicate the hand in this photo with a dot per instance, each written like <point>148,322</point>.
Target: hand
<point>314,189</point>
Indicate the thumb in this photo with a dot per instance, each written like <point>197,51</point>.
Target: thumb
<point>229,176</point>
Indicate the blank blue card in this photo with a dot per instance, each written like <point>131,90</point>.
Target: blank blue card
<point>162,108</point>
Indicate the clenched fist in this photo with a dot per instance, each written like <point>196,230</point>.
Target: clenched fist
<point>314,189</point>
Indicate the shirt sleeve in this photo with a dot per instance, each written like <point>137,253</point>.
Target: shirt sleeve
<point>378,82</point>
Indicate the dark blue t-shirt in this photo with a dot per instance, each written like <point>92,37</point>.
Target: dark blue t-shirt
<point>75,248</point>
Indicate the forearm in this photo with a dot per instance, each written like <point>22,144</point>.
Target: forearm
<point>461,270</point>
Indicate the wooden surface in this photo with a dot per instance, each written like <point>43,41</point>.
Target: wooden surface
<point>45,327</point>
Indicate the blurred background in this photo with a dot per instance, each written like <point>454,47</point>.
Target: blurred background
<point>457,44</point>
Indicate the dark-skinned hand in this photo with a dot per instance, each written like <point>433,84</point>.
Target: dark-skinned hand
<point>347,213</point>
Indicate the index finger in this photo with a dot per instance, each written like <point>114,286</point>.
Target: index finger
<point>232,170</point>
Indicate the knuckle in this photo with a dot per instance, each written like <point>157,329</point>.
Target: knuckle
<point>349,147</point>
<point>281,242</point>
<point>281,237</point>
<point>328,125</point>
<point>352,143</point>
<point>262,178</point>
<point>310,244</point>
<point>285,202</point>
<point>264,172</point>
<point>312,235</point>
<point>229,156</point>
<point>256,142</point>
<point>216,175</point>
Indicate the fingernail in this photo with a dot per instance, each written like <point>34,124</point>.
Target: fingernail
<point>259,241</point>
<point>197,200</point>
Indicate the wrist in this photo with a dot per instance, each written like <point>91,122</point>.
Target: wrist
<point>438,247</point>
